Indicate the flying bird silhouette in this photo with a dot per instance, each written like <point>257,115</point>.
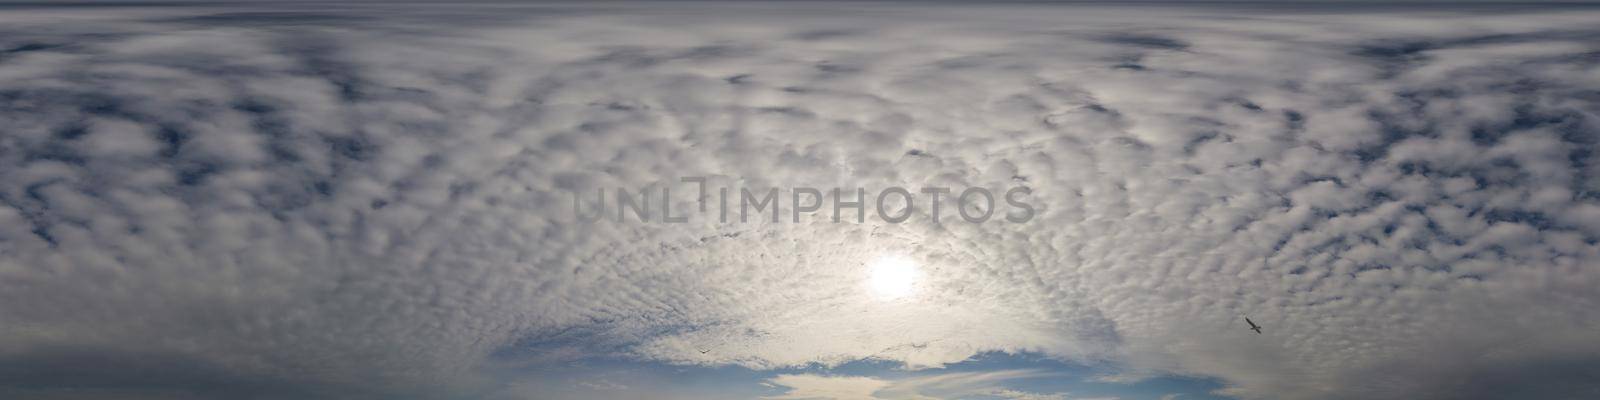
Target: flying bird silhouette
<point>705,351</point>
<point>1253,325</point>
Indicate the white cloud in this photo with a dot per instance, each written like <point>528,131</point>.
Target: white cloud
<point>949,385</point>
<point>1124,377</point>
<point>820,387</point>
<point>1020,395</point>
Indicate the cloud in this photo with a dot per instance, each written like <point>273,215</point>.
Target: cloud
<point>375,201</point>
<point>950,385</point>
<point>1020,395</point>
<point>602,384</point>
<point>807,387</point>
<point>1124,377</point>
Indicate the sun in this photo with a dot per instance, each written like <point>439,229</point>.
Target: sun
<point>892,277</point>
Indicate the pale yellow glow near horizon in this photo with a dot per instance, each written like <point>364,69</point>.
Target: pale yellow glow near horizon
<point>892,277</point>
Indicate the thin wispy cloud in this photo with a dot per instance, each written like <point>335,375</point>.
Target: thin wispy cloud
<point>951,385</point>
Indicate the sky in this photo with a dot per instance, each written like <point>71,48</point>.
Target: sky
<point>378,200</point>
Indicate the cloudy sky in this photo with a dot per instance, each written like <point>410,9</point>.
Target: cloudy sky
<point>377,201</point>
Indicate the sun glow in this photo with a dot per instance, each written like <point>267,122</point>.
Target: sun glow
<point>892,277</point>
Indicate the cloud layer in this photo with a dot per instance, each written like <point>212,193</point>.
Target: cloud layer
<point>375,201</point>
<point>941,386</point>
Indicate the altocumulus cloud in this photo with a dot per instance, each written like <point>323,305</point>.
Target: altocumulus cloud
<point>372,201</point>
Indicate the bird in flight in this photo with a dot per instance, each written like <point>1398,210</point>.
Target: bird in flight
<point>705,351</point>
<point>1253,325</point>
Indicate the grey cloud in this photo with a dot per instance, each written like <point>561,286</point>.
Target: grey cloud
<point>374,203</point>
